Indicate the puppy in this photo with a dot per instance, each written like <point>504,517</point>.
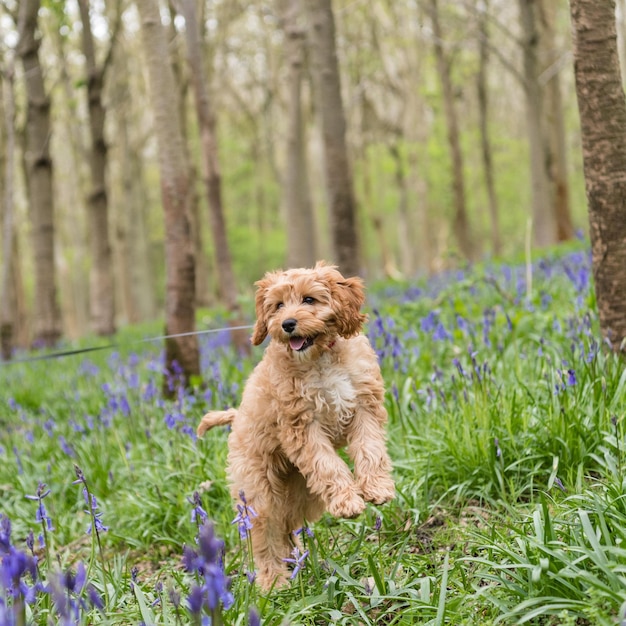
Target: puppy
<point>318,388</point>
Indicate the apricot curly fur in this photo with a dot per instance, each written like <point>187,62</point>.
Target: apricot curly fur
<point>318,388</point>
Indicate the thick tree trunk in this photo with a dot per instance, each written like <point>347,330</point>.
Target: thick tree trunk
<point>341,198</point>
<point>602,108</point>
<point>544,227</point>
<point>176,198</point>
<point>101,292</point>
<point>301,248</point>
<point>38,164</point>
<point>461,223</point>
<point>483,124</point>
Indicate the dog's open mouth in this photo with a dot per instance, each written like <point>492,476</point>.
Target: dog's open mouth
<point>300,344</point>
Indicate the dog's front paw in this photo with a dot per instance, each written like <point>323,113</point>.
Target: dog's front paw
<point>346,504</point>
<point>378,490</point>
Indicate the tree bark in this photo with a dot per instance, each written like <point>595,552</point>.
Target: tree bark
<point>483,124</point>
<point>47,325</point>
<point>602,109</point>
<point>461,225</point>
<point>544,227</point>
<point>301,245</point>
<point>101,288</point>
<point>555,127</point>
<point>211,174</point>
<point>181,353</point>
<point>339,184</point>
<point>7,161</point>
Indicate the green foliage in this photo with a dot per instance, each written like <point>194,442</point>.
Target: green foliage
<point>506,430</point>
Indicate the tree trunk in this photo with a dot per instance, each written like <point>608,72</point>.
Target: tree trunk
<point>483,114</point>
<point>134,271</point>
<point>461,223</point>
<point>181,353</point>
<point>39,179</point>
<point>301,246</point>
<point>7,161</point>
<point>101,292</point>
<point>602,108</point>
<point>211,174</point>
<point>555,128</point>
<point>341,198</point>
<point>544,228</point>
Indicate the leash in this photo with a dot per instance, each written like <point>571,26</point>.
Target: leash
<point>111,346</point>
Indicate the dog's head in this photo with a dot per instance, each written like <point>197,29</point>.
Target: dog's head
<point>305,308</point>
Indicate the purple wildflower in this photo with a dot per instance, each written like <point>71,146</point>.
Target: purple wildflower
<point>92,504</point>
<point>198,514</point>
<point>429,322</point>
<point>207,564</point>
<point>41,517</point>
<point>254,619</point>
<point>242,519</point>
<point>496,443</point>
<point>96,515</point>
<point>297,561</point>
<point>440,333</point>
<point>68,590</point>
<point>571,377</point>
<point>14,565</point>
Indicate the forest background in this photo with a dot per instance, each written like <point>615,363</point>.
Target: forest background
<point>461,128</point>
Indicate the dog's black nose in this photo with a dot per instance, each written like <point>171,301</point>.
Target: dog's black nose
<point>289,325</point>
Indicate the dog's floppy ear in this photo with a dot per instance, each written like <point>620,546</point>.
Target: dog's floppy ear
<point>259,332</point>
<point>348,296</point>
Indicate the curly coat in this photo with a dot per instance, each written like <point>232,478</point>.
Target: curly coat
<point>318,388</point>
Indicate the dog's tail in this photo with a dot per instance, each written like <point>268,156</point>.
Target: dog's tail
<point>216,418</point>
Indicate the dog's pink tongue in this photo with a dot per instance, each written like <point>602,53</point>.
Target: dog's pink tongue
<point>296,342</point>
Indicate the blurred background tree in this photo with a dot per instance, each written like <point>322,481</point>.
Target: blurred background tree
<point>462,140</point>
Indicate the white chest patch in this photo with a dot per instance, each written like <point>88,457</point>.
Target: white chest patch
<point>334,395</point>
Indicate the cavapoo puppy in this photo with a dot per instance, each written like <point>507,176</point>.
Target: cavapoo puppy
<point>318,388</point>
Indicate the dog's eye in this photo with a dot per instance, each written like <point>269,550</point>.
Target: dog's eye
<point>308,300</point>
<point>280,305</point>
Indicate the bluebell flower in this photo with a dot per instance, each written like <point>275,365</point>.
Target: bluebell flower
<point>571,377</point>
<point>15,565</point>
<point>244,512</point>
<point>174,597</point>
<point>66,447</point>
<point>429,323</point>
<point>306,530</point>
<point>198,514</point>
<point>297,561</point>
<point>68,589</point>
<point>91,502</point>
<point>213,586</point>
<point>440,333</point>
<point>254,619</point>
<point>93,512</point>
<point>41,516</point>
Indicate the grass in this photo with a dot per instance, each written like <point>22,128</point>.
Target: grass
<point>506,432</point>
